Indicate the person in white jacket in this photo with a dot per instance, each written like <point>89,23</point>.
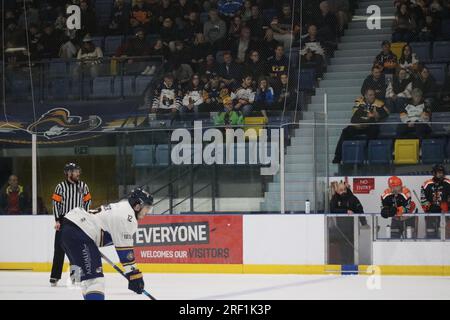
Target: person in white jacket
<point>415,117</point>
<point>192,96</point>
<point>398,91</point>
<point>244,96</point>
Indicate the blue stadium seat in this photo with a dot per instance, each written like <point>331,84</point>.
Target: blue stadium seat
<point>144,155</point>
<point>98,41</point>
<point>380,151</point>
<point>59,88</point>
<point>441,51</point>
<point>102,87</point>
<point>128,86</point>
<point>142,83</point>
<point>353,151</point>
<point>433,151</point>
<point>111,44</point>
<point>389,129</point>
<point>162,155</point>
<point>307,80</point>
<point>442,128</point>
<point>438,72</point>
<point>422,50</point>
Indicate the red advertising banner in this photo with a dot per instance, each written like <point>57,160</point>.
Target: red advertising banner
<point>189,239</point>
<point>363,185</point>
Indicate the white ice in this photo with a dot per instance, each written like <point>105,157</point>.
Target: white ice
<point>34,285</point>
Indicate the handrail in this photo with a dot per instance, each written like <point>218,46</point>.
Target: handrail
<point>186,198</point>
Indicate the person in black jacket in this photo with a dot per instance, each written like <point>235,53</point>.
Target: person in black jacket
<point>375,81</point>
<point>344,201</point>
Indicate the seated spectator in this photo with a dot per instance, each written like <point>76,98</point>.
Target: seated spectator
<point>192,96</point>
<point>403,26</point>
<point>68,49</point>
<point>13,198</point>
<point>207,68</point>
<point>429,29</point>
<point>182,73</point>
<point>415,117</point>
<point>213,100</point>
<point>60,22</point>
<point>137,46</point>
<point>88,21</point>
<point>264,98</point>
<point>286,26</point>
<point>242,46</point>
<point>311,60</point>
<point>140,16</point>
<point>246,11</point>
<point>230,116</point>
<point>49,43</point>
<point>119,19</point>
<point>159,49</point>
<point>278,63</point>
<point>268,45</point>
<point>181,53</point>
<point>326,23</point>
<point>234,31</point>
<point>408,60</point>
<point>341,9</point>
<point>256,24</point>
<point>229,71</point>
<point>367,112</point>
<point>386,59</point>
<point>426,83</point>
<point>285,93</point>
<point>168,33</point>
<point>376,82</point>
<point>398,91</point>
<point>312,42</point>
<point>214,29</point>
<point>244,96</point>
<point>199,50</point>
<point>192,27</point>
<point>182,10</point>
<point>90,58</point>
<point>344,201</point>
<point>35,37</point>
<point>166,98</point>
<point>255,66</point>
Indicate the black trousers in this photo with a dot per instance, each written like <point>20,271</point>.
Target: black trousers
<point>348,133</point>
<point>58,257</point>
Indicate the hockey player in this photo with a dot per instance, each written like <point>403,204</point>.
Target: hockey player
<point>395,202</point>
<point>84,232</point>
<point>434,197</point>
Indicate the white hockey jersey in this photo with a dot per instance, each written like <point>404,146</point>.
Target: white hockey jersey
<point>117,219</point>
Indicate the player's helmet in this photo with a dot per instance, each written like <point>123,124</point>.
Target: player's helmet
<point>71,166</point>
<point>437,168</point>
<point>394,181</point>
<point>140,196</point>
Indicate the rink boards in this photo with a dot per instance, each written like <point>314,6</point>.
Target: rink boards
<point>278,244</point>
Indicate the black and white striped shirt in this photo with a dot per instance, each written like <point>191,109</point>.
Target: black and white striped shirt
<point>69,195</point>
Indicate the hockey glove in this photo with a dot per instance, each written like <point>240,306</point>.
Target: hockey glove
<point>135,281</point>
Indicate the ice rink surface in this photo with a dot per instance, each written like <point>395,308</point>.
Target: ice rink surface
<point>34,285</point>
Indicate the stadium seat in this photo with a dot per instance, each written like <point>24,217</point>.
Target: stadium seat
<point>59,88</point>
<point>445,29</point>
<point>389,128</point>
<point>162,155</point>
<point>353,151</point>
<point>438,72</point>
<point>101,87</point>
<point>422,50</point>
<point>441,51</point>
<point>406,151</point>
<point>143,155</point>
<point>380,151</point>
<point>443,127</point>
<point>57,68</point>
<point>111,44</point>
<point>433,151</point>
<point>397,48</point>
<point>128,86</point>
<point>142,82</point>
<point>307,80</point>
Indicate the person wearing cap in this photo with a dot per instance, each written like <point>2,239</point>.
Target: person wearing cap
<point>395,203</point>
<point>69,194</point>
<point>89,56</point>
<point>386,59</point>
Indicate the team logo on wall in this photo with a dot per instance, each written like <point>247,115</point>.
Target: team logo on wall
<point>59,123</point>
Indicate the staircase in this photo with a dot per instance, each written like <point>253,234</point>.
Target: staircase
<point>342,82</point>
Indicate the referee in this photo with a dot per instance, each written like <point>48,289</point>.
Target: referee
<point>69,194</point>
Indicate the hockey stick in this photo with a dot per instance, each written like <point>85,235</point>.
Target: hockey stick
<point>418,199</point>
<point>123,274</point>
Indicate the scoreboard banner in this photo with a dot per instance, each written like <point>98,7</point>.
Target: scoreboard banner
<point>206,239</point>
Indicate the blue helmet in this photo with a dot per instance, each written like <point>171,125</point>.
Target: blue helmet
<point>140,196</point>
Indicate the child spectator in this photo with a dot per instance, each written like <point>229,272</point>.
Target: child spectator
<point>166,98</point>
<point>229,117</point>
<point>193,96</point>
<point>264,98</point>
